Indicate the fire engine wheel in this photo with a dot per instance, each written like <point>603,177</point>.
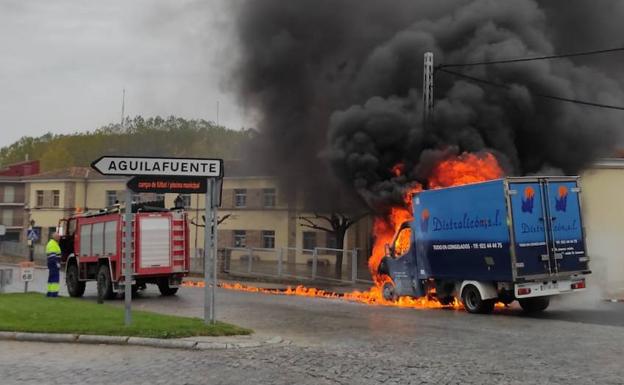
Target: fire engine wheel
<point>471,298</point>
<point>389,292</point>
<point>165,289</point>
<point>534,305</point>
<point>75,287</point>
<point>104,283</point>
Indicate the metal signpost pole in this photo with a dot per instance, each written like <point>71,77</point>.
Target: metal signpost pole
<point>208,254</point>
<point>215,248</point>
<point>128,257</point>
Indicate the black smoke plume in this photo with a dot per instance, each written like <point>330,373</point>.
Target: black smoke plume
<point>338,87</point>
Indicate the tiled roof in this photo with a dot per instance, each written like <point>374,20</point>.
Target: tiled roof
<point>71,173</point>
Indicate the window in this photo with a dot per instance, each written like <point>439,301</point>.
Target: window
<point>51,231</point>
<point>56,198</point>
<point>269,197</point>
<point>331,242</point>
<point>136,198</point>
<point>187,200</point>
<point>160,197</point>
<point>111,198</point>
<point>309,240</point>
<point>7,217</point>
<point>39,198</point>
<point>9,194</point>
<point>240,197</point>
<point>240,238</point>
<point>268,239</point>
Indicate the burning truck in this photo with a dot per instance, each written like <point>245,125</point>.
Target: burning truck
<point>515,238</point>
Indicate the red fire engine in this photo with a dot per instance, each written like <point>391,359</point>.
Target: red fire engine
<point>92,245</point>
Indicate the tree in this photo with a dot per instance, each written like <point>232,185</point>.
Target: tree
<point>139,136</point>
<point>336,224</point>
<point>219,220</point>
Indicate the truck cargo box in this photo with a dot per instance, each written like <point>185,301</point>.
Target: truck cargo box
<point>506,230</point>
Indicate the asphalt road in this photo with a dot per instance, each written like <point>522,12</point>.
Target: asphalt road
<point>579,339</point>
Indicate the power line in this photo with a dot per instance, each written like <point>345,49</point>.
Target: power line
<point>550,57</point>
<point>507,87</point>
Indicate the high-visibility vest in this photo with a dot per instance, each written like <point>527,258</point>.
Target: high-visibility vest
<point>53,248</point>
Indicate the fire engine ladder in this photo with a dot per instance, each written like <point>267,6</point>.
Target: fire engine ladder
<point>178,249</point>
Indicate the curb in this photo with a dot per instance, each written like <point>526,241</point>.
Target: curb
<point>137,341</point>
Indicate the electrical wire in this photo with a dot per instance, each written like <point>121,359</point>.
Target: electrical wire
<point>507,87</point>
<point>550,57</point>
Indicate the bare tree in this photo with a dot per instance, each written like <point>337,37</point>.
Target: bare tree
<point>219,220</point>
<point>336,224</point>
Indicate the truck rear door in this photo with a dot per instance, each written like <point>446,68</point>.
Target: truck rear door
<point>547,227</point>
<point>566,239</point>
<point>530,232</point>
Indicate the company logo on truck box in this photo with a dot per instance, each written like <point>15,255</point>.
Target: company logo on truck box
<point>528,199</point>
<point>561,201</point>
<point>465,222</point>
<point>424,221</point>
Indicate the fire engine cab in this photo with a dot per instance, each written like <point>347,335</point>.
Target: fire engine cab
<point>92,246</point>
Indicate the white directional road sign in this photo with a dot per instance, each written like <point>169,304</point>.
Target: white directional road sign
<point>124,165</point>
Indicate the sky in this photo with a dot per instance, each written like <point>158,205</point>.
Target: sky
<point>64,63</point>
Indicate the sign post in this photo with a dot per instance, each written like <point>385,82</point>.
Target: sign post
<point>27,273</point>
<point>215,221</point>
<point>128,249</point>
<point>170,175</point>
<point>208,255</point>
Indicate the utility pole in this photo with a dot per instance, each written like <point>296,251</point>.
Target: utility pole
<point>123,107</point>
<point>427,88</point>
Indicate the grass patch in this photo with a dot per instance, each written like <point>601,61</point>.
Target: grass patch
<point>33,312</point>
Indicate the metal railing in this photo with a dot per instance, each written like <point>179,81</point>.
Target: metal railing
<point>319,263</point>
<point>18,249</point>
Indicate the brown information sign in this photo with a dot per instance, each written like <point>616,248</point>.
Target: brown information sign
<point>168,184</point>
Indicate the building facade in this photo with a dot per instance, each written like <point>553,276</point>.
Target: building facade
<point>603,213</point>
<point>253,213</point>
<point>13,198</point>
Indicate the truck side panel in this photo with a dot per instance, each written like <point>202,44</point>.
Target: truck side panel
<point>462,233</point>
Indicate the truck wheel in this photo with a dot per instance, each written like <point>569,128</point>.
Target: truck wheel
<point>535,304</point>
<point>389,292</point>
<point>75,287</point>
<point>165,289</point>
<point>104,283</point>
<point>471,298</point>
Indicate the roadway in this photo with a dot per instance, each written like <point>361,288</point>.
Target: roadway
<point>578,339</point>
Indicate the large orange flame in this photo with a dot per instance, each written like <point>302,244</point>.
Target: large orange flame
<point>463,169</point>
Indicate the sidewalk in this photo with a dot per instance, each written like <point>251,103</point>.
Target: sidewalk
<point>193,343</point>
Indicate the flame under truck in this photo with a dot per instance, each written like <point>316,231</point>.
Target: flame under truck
<point>93,247</point>
<point>504,240</point>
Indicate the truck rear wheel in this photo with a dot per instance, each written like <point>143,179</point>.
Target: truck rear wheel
<point>75,287</point>
<point>165,289</point>
<point>104,283</point>
<point>535,304</point>
<point>473,303</point>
